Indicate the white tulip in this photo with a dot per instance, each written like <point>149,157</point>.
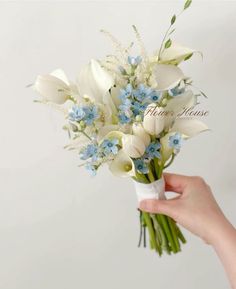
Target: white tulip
<point>94,81</point>
<point>167,76</point>
<point>154,119</point>
<point>139,131</point>
<point>122,165</point>
<point>53,87</point>
<point>133,145</point>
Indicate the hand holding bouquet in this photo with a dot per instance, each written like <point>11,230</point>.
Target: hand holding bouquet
<point>125,111</point>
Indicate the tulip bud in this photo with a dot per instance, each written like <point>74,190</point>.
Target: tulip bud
<point>153,121</point>
<point>139,131</point>
<point>133,145</point>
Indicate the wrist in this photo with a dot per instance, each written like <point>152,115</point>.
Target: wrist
<point>221,233</point>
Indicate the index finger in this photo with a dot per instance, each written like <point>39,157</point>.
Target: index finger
<point>175,183</point>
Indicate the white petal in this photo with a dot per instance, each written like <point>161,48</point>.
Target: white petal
<point>167,76</point>
<point>139,131</point>
<point>103,131</point>
<point>153,122</point>
<point>133,145</point>
<point>175,54</point>
<point>94,81</point>
<point>59,73</point>
<point>177,104</point>
<point>166,150</point>
<point>188,127</point>
<point>122,165</point>
<point>114,134</point>
<point>51,88</point>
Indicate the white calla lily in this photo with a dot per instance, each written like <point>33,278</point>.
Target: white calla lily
<point>177,104</point>
<point>167,76</point>
<point>133,145</point>
<point>189,127</point>
<point>122,165</point>
<point>105,130</point>
<point>53,87</point>
<point>176,53</point>
<point>94,81</point>
<point>154,120</point>
<point>139,131</point>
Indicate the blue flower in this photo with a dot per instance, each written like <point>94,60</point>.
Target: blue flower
<point>152,150</point>
<point>123,118</point>
<point>126,92</point>
<point>76,113</point>
<point>176,90</point>
<point>91,114</point>
<point>138,108</point>
<point>91,169</point>
<point>89,152</point>
<point>125,106</point>
<point>155,96</point>
<point>175,141</point>
<point>134,61</point>
<point>110,146</point>
<point>141,166</point>
<point>142,92</point>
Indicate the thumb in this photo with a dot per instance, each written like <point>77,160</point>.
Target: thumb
<point>166,207</point>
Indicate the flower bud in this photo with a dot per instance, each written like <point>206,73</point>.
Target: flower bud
<point>133,145</point>
<point>139,131</point>
<point>153,121</point>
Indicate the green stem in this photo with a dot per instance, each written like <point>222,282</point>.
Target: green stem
<point>151,231</point>
<point>150,175</point>
<point>170,162</point>
<point>168,232</point>
<point>180,235</point>
<point>174,233</point>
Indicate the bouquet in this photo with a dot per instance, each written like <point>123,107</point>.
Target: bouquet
<point>126,111</point>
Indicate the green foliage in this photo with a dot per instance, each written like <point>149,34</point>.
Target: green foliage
<point>187,4</point>
<point>168,43</point>
<point>173,19</point>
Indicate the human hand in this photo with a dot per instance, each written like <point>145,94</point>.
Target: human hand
<point>195,208</point>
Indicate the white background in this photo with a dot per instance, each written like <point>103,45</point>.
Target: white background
<point>60,229</point>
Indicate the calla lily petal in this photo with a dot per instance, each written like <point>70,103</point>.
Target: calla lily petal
<point>52,88</point>
<point>115,134</point>
<point>188,127</point>
<point>177,104</point>
<point>103,131</point>
<point>94,81</point>
<point>167,76</point>
<point>59,73</point>
<point>176,53</point>
<point>122,165</point>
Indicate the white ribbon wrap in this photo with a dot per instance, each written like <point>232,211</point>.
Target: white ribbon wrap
<point>155,190</point>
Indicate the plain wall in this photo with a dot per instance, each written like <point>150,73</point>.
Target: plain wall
<point>60,229</point>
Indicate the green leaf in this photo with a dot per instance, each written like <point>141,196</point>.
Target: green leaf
<point>188,56</point>
<point>187,4</point>
<point>168,43</point>
<point>173,19</point>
